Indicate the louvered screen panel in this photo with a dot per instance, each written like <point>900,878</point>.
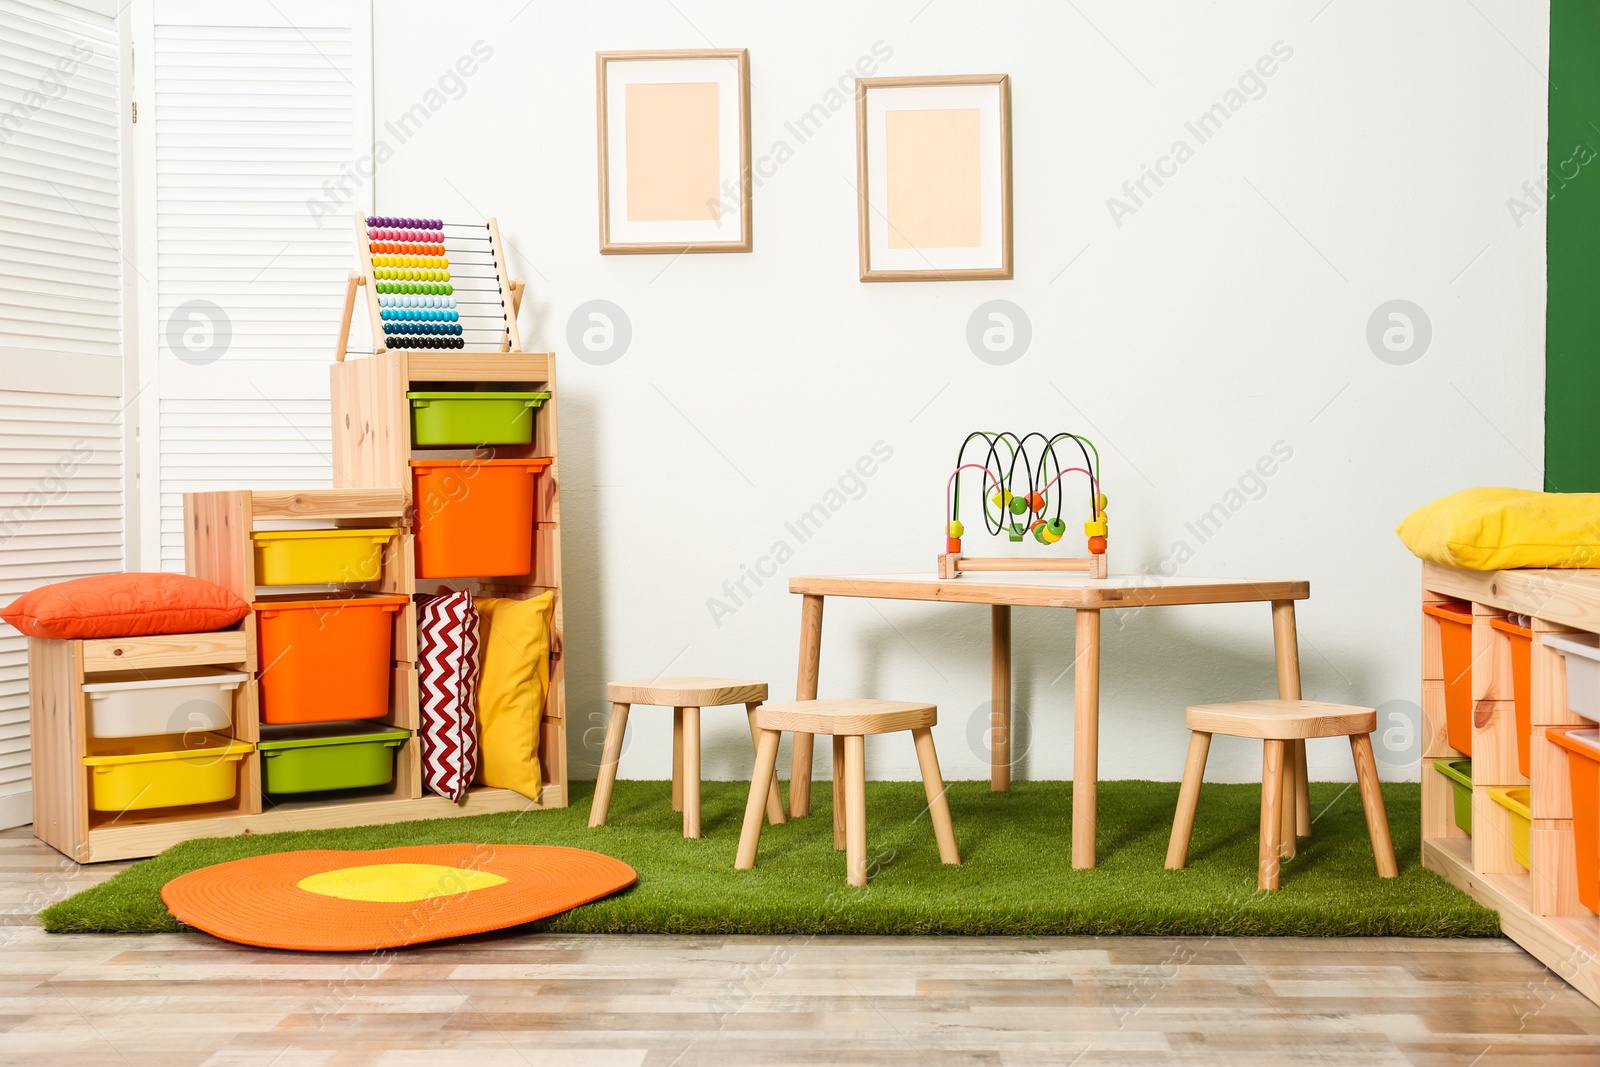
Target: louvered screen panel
<point>61,328</point>
<point>256,109</point>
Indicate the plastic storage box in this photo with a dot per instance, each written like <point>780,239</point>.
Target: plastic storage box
<point>1521,639</point>
<point>1459,771</point>
<point>474,517</point>
<point>1515,800</point>
<point>332,755</point>
<point>163,701</point>
<point>324,660</point>
<point>1455,646</point>
<point>466,420</point>
<point>164,771</point>
<point>319,557</point>
<point>1583,764</point>
<point>1582,653</point>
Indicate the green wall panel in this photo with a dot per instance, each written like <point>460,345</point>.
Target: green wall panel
<point>1572,319</point>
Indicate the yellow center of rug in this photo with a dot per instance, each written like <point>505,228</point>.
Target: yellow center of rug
<point>397,882</point>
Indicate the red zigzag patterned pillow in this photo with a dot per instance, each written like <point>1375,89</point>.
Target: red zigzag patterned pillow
<point>447,646</point>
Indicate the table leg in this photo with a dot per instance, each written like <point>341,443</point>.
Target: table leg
<point>1286,651</point>
<point>805,688</point>
<point>1000,700</point>
<point>677,759</point>
<point>691,772</point>
<point>1086,736</point>
<point>838,792</point>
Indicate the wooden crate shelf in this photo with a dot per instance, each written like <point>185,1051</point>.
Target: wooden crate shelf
<point>371,454</point>
<point>372,447</point>
<point>58,713</point>
<point>1539,907</point>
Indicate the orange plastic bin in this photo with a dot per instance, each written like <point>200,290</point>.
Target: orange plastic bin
<point>1583,762</point>
<point>1521,673</point>
<point>474,517</point>
<point>323,660</point>
<point>1455,645</point>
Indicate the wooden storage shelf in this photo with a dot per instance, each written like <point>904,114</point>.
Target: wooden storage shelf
<point>371,453</point>
<point>372,447</point>
<point>58,707</point>
<point>1539,907</point>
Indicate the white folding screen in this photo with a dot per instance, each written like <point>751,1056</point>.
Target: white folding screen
<point>62,489</point>
<point>257,114</point>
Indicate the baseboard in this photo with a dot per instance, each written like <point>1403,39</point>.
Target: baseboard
<point>16,810</point>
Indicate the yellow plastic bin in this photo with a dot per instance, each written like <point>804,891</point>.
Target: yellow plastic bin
<point>1515,800</point>
<point>320,557</point>
<point>164,771</point>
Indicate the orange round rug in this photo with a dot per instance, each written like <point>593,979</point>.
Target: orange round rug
<point>338,901</point>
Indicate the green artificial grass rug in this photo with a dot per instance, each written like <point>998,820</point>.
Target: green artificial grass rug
<point>1016,874</point>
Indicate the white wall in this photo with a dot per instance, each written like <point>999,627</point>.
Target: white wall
<point>1227,314</point>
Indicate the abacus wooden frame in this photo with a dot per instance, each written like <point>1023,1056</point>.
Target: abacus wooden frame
<point>365,279</point>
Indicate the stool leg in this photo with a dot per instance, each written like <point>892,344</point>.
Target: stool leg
<point>1268,862</point>
<point>838,792</point>
<point>677,759</point>
<point>855,808</point>
<point>1290,803</point>
<point>616,727</point>
<point>691,772</point>
<point>760,781</point>
<point>775,813</point>
<point>938,803</point>
<point>1372,804</point>
<point>1302,793</point>
<point>1194,772</point>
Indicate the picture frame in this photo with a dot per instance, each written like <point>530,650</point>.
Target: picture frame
<point>933,177</point>
<point>675,179</point>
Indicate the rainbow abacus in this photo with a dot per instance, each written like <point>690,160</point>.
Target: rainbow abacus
<point>415,297</point>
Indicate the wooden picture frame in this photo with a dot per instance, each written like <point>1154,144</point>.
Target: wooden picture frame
<point>953,186</point>
<point>696,148</point>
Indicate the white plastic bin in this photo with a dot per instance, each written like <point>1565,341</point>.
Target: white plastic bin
<point>1582,653</point>
<point>166,701</point>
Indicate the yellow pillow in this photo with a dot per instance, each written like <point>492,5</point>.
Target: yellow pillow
<point>1500,529</point>
<point>511,692</point>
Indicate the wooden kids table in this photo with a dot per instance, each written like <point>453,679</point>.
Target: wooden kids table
<point>1086,597</point>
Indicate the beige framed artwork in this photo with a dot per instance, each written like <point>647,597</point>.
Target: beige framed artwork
<point>674,135</point>
<point>933,177</point>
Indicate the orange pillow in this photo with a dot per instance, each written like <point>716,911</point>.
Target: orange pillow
<point>125,605</point>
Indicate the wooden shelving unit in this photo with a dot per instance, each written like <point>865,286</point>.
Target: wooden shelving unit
<point>57,672</point>
<point>372,445</point>
<point>1539,907</point>
<point>373,488</point>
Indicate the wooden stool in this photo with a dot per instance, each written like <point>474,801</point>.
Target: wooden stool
<point>685,696</point>
<point>1280,724</point>
<point>848,722</point>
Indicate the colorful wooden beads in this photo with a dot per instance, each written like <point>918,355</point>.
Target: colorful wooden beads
<point>433,288</point>
<point>385,221</point>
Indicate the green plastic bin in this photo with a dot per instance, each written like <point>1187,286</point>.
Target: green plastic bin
<point>466,420</point>
<point>316,757</point>
<point>1459,771</point>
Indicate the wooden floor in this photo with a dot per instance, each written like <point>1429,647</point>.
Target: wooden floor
<point>597,1001</point>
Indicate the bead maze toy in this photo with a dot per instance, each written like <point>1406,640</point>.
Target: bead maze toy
<point>432,284</point>
<point>1021,493</point>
